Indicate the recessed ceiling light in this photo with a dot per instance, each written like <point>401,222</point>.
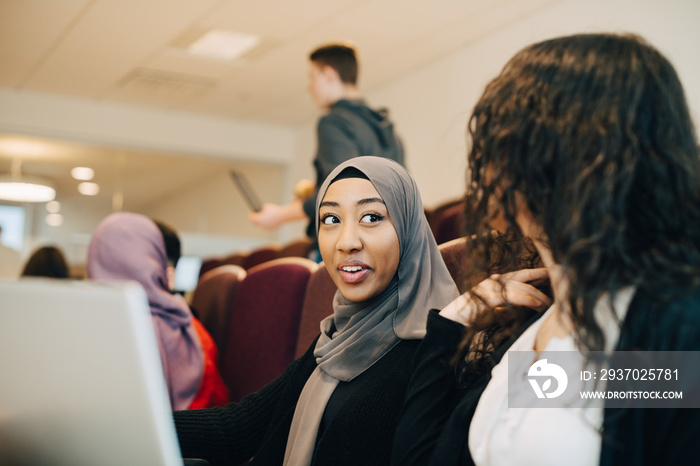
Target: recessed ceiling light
<point>54,220</point>
<point>223,45</point>
<point>53,207</point>
<point>25,189</point>
<point>82,173</point>
<point>88,189</point>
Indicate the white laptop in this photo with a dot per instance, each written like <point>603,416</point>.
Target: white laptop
<point>80,377</point>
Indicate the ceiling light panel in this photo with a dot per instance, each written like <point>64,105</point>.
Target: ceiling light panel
<point>54,220</point>
<point>223,45</point>
<point>25,189</point>
<point>89,189</point>
<point>53,207</point>
<point>82,173</point>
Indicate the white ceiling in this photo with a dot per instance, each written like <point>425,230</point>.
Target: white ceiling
<point>127,50</point>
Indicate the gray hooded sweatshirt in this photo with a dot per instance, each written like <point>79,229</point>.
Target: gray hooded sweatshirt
<point>351,129</point>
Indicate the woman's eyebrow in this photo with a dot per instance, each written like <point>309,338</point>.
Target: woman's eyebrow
<point>370,200</point>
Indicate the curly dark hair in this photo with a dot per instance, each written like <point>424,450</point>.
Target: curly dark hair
<point>594,131</point>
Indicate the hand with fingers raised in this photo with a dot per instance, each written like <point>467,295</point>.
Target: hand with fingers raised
<point>499,290</point>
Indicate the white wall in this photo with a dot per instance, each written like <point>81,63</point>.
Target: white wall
<point>129,126</point>
<point>208,213</point>
<point>73,237</point>
<point>146,129</point>
<point>431,106</point>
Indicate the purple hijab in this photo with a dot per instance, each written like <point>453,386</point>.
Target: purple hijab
<point>128,246</point>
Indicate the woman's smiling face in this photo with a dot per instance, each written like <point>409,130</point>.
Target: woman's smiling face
<point>357,239</point>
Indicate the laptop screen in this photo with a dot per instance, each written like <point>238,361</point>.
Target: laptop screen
<point>187,273</point>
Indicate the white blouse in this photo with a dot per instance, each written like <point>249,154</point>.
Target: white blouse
<point>500,435</point>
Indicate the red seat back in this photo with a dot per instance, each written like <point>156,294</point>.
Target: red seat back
<point>450,225</point>
<point>264,324</point>
<point>298,248</point>
<point>260,256</point>
<point>213,300</point>
<point>454,254</point>
<point>209,264</point>
<point>318,304</point>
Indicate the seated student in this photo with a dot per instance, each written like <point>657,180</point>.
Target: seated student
<point>212,390</point>
<point>173,250</point>
<point>338,404</point>
<point>47,261</point>
<point>127,246</point>
<point>585,145</point>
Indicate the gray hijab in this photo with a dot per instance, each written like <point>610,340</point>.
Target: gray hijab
<point>358,334</point>
<point>366,331</point>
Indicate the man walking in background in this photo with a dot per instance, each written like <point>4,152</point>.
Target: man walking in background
<point>348,129</point>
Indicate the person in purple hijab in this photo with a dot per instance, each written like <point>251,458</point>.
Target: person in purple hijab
<point>127,246</point>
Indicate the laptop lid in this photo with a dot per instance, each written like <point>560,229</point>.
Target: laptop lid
<point>82,382</point>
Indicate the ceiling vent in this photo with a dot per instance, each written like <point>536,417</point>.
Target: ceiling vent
<point>165,83</point>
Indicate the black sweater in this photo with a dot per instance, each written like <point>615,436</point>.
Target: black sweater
<point>434,428</point>
<point>258,426</point>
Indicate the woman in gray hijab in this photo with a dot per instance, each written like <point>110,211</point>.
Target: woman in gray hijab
<point>338,404</point>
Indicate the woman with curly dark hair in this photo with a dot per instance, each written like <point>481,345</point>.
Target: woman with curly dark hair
<point>585,146</point>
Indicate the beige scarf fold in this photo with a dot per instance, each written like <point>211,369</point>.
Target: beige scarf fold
<point>307,418</point>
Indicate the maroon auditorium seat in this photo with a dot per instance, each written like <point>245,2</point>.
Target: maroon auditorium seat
<point>450,224</point>
<point>434,215</point>
<point>297,248</point>
<point>209,264</point>
<point>318,304</point>
<point>264,324</point>
<point>213,300</point>
<point>260,256</point>
<point>234,259</point>
<point>455,255</point>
